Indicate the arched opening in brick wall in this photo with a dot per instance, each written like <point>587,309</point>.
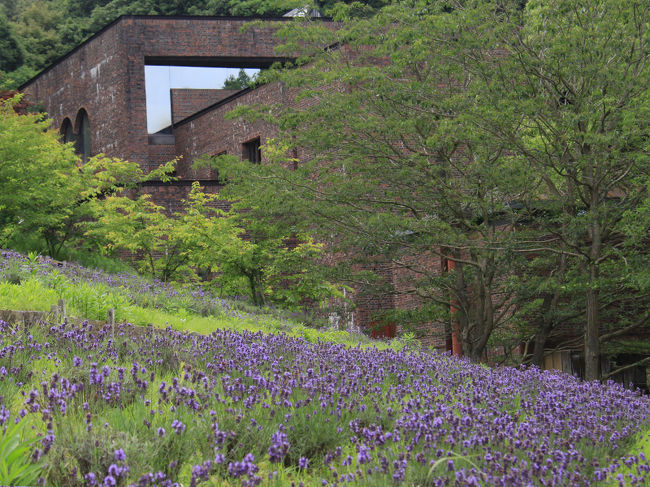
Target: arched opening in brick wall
<point>83,139</point>
<point>66,132</point>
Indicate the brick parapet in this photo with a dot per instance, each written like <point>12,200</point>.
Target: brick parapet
<point>186,102</point>
<point>211,133</point>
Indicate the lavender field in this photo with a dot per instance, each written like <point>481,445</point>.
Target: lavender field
<point>162,407</point>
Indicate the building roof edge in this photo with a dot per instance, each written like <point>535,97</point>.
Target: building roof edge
<point>209,108</point>
<point>146,17</point>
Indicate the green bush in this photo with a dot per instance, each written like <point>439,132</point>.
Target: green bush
<point>16,466</point>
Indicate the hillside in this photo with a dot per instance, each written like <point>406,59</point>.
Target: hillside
<point>38,283</point>
<point>158,406</point>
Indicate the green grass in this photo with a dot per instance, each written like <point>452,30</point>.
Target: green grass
<point>641,445</point>
<point>92,301</point>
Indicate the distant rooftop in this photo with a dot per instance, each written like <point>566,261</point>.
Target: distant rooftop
<point>304,12</point>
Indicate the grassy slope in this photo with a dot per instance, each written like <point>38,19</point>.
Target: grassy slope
<point>91,300</point>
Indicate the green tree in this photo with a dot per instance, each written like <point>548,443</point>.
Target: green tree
<point>84,185</point>
<point>46,190</point>
<point>276,266</point>
<point>397,170</point>
<point>143,229</point>
<point>257,262</point>
<point>36,29</point>
<point>11,57</point>
<point>572,98</point>
<point>239,82</point>
<point>483,133</point>
<point>34,167</point>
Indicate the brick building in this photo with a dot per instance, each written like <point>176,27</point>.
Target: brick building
<point>96,97</point>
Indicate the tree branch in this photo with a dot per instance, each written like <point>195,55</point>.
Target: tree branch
<point>626,367</point>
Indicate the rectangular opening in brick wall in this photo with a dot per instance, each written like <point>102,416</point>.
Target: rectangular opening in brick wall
<point>252,151</point>
<point>174,92</point>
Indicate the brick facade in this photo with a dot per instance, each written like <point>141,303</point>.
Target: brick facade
<point>186,102</point>
<point>105,74</point>
<point>105,77</point>
<point>209,132</point>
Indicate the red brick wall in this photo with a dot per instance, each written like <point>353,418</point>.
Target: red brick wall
<point>171,195</point>
<point>157,155</point>
<point>431,334</point>
<point>92,77</point>
<point>105,75</point>
<point>211,133</point>
<point>186,102</point>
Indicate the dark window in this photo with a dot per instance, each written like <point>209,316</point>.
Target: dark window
<point>82,144</point>
<point>252,151</point>
<point>67,132</point>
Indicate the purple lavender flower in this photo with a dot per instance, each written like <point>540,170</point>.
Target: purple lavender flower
<point>363,455</point>
<point>4,415</point>
<point>396,409</point>
<point>279,447</point>
<point>90,478</point>
<point>178,426</point>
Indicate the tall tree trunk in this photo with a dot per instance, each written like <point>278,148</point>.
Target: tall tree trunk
<point>253,287</point>
<point>456,343</point>
<point>485,317</point>
<point>592,329</point>
<point>540,343</point>
<point>260,290</point>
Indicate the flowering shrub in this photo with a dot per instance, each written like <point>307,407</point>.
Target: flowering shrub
<point>165,407</point>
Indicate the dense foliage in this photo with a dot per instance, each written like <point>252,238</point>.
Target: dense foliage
<point>510,142</point>
<point>235,253</point>
<point>47,191</point>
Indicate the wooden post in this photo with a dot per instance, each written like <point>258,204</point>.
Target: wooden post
<point>55,312</point>
<point>62,310</point>
<point>110,320</point>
